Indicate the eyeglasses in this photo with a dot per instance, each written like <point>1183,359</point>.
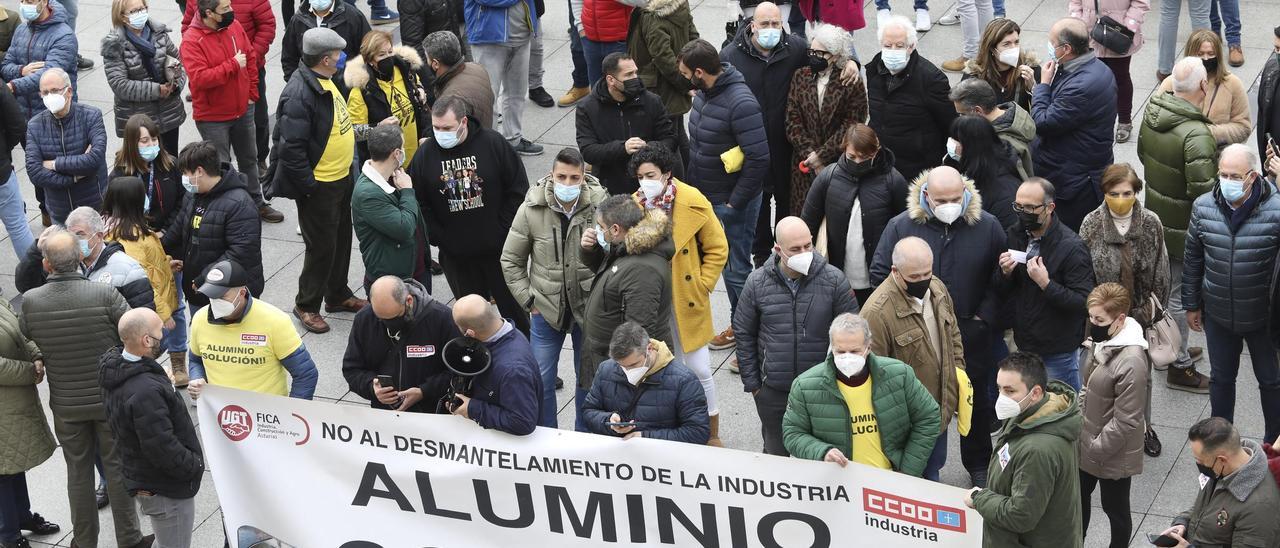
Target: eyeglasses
<point>820,53</point>
<point>1019,208</point>
<point>136,11</point>
<point>55,91</point>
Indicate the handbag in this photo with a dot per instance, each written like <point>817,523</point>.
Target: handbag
<point>173,70</point>
<point>1163,337</point>
<point>1110,34</point>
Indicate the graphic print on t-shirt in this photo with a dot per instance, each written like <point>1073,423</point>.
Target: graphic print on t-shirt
<point>463,187</point>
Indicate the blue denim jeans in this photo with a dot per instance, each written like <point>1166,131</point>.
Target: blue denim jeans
<point>1226,12</point>
<point>919,4</point>
<point>937,459</point>
<point>13,213</point>
<point>998,7</point>
<point>547,343</point>
<point>1064,367</point>
<point>594,53</point>
<point>1170,13</point>
<point>175,340</point>
<point>1224,348</point>
<point>575,50</point>
<point>740,230</point>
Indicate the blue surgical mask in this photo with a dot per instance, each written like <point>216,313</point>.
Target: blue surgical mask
<point>1232,189</point>
<point>567,193</point>
<point>138,20</point>
<point>28,12</point>
<point>188,185</point>
<point>604,244</point>
<point>321,5</point>
<point>768,38</point>
<point>1051,52</point>
<point>895,59</point>
<point>84,248</point>
<point>149,152</point>
<point>446,139</point>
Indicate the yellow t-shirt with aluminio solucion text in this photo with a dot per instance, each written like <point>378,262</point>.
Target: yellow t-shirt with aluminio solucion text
<point>339,151</point>
<point>247,354</point>
<point>865,427</point>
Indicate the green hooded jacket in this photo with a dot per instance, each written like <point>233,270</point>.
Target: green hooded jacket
<point>817,417</point>
<point>1180,159</point>
<point>1032,497</point>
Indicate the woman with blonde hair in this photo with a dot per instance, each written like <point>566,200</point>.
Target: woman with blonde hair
<point>1226,103</point>
<point>1002,62</point>
<point>386,89</point>
<point>142,68</point>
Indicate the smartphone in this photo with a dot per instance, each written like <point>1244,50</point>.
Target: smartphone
<point>620,424</point>
<point>386,382</point>
<point>1161,540</point>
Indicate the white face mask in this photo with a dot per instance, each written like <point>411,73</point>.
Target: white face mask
<point>947,213</point>
<point>221,308</point>
<point>1007,408</point>
<point>651,188</point>
<point>849,364</point>
<point>1010,56</point>
<point>54,102</point>
<point>635,374</point>
<point>800,262</point>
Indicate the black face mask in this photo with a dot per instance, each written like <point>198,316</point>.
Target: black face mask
<point>1210,65</point>
<point>918,288</point>
<point>1208,471</point>
<point>632,88</point>
<point>386,68</point>
<point>818,64</point>
<point>1100,333</point>
<point>855,168</point>
<point>1030,221</point>
<point>157,350</point>
<point>227,19</point>
<point>399,323</point>
<point>695,84</point>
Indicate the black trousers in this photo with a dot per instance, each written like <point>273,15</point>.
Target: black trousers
<point>763,243</point>
<point>771,405</point>
<point>169,142</point>
<point>1115,503</point>
<point>261,121</point>
<point>978,340</point>
<point>325,218</point>
<point>482,275</point>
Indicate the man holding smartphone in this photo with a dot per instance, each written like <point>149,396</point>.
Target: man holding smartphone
<point>393,352</point>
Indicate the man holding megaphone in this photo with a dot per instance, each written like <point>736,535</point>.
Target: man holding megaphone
<point>504,388</point>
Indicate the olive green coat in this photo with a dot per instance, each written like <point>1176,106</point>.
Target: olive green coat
<point>25,441</point>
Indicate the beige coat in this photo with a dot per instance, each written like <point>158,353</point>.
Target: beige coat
<point>25,441</point>
<point>1226,105</point>
<point>898,332</point>
<point>1114,400</point>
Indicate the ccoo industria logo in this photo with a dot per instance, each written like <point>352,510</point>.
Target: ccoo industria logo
<point>924,519</point>
<point>235,422</point>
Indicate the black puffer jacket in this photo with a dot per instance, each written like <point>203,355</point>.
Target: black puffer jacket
<point>157,441</point>
<point>420,18</point>
<point>770,80</point>
<point>1230,274</point>
<point>998,182</point>
<point>305,110</point>
<point>1049,320</point>
<point>227,228</point>
<point>1266,103</point>
<point>911,112</point>
<point>411,357</point>
<point>604,124</point>
<point>166,193</point>
<point>345,19</point>
<point>881,194</point>
<point>632,283</point>
<point>780,334</point>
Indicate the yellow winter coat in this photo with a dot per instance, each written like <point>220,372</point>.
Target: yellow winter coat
<point>150,254</point>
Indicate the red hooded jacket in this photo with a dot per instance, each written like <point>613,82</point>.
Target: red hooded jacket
<point>256,18</point>
<point>221,90</point>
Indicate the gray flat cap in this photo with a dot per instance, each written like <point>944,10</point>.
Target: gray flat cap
<point>320,40</point>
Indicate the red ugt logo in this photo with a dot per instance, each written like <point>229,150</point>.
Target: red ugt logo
<point>235,422</point>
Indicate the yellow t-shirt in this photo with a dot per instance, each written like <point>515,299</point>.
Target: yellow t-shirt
<point>401,108</point>
<point>866,430</point>
<point>335,163</point>
<point>246,355</point>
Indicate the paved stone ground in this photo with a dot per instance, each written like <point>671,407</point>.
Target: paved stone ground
<point>1165,488</point>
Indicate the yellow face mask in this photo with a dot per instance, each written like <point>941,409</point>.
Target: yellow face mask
<point>1120,206</point>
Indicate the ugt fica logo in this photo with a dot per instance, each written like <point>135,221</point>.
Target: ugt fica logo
<point>235,422</point>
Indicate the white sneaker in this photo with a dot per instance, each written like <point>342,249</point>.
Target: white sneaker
<point>948,20</point>
<point>922,21</point>
<point>881,17</point>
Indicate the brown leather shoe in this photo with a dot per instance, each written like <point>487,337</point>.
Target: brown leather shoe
<point>1160,77</point>
<point>724,340</point>
<point>270,215</point>
<point>45,221</point>
<point>311,321</point>
<point>146,542</point>
<point>1187,380</point>
<point>954,65</point>
<point>350,305</point>
<point>1236,57</point>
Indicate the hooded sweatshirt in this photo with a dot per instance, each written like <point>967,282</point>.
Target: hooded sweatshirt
<point>1016,128</point>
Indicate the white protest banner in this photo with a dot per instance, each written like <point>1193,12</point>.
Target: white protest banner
<point>322,475</point>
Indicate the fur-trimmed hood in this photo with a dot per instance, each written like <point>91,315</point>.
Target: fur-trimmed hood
<point>649,233</point>
<point>918,207</point>
<point>663,8</point>
<point>358,72</point>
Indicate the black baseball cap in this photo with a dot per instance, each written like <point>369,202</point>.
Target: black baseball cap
<point>221,277</point>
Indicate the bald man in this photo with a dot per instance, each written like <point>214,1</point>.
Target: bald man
<point>508,396</point>
<point>66,149</point>
<point>399,338</point>
<point>768,56</point>
<point>163,463</point>
<point>913,320</point>
<point>945,210</point>
<point>781,301</point>
<point>1075,109</point>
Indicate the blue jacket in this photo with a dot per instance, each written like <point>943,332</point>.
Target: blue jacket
<point>80,178</point>
<point>509,396</point>
<point>51,41</point>
<point>1229,274</point>
<point>723,117</point>
<point>487,19</point>
<point>1075,120</point>
<point>668,404</point>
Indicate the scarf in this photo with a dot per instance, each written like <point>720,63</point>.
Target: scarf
<point>146,46</point>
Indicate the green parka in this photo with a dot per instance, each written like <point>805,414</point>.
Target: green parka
<point>25,441</point>
<point>658,31</point>
<point>540,260</point>
<point>1032,497</point>
<point>817,417</point>
<point>386,224</point>
<point>1180,157</point>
